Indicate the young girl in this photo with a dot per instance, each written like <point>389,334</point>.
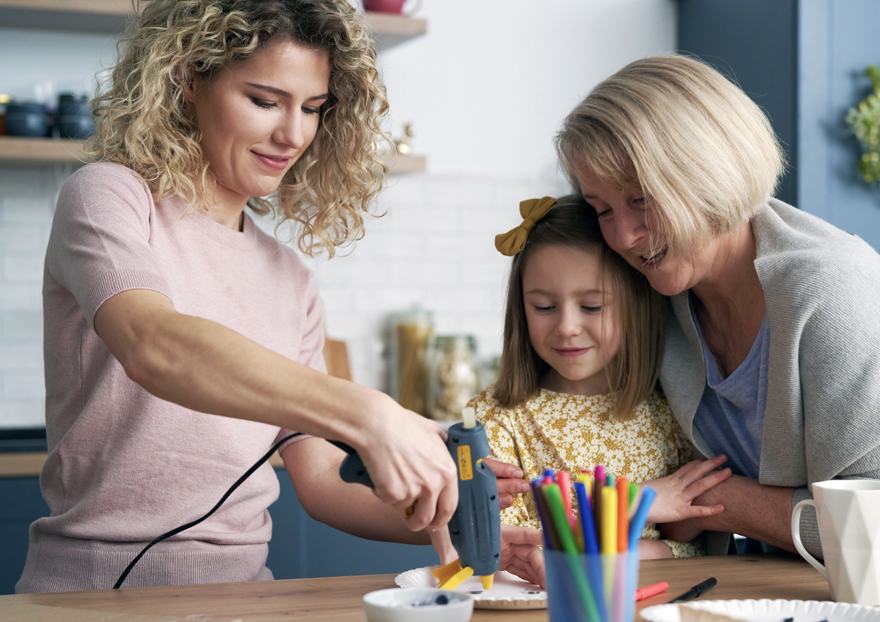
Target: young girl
<point>583,343</point>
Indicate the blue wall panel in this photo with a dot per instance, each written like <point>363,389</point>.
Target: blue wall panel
<point>839,38</point>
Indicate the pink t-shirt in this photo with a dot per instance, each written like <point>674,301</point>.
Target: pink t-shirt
<point>125,466</point>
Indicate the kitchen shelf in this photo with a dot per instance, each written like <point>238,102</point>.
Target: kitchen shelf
<point>35,150</point>
<point>108,16</point>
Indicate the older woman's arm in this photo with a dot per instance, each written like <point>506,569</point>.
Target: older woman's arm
<point>750,509</point>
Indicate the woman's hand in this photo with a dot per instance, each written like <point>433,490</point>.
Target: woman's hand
<point>676,492</point>
<point>510,481</point>
<point>520,554</point>
<point>407,459</point>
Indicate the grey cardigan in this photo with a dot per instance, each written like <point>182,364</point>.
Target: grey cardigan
<point>822,288</point>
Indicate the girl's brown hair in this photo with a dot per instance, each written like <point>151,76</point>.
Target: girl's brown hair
<point>143,122</point>
<point>633,373</point>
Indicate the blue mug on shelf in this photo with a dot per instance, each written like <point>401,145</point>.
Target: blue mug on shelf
<point>27,119</point>
<point>75,118</point>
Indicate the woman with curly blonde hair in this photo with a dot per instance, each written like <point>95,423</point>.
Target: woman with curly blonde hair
<point>182,342</point>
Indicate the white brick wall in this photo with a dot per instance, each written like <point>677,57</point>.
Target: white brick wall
<point>434,247</point>
<point>27,199</point>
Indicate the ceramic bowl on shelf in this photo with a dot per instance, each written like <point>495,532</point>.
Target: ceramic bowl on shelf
<point>422,604</point>
<point>27,119</point>
<point>75,118</point>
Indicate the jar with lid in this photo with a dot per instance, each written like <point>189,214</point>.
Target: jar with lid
<point>454,376</point>
<point>408,378</point>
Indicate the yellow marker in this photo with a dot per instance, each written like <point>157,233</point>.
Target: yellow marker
<point>609,521</point>
<point>587,480</point>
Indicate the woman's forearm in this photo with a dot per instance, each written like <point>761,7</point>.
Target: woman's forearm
<point>207,367</point>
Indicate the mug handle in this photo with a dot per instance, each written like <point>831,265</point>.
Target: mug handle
<point>411,12</point>
<point>796,536</point>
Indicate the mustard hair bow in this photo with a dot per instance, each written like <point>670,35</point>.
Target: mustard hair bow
<point>532,211</point>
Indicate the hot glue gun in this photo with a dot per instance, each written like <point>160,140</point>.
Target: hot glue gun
<point>475,527</point>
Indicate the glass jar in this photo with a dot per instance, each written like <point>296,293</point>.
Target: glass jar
<point>408,379</point>
<point>454,376</point>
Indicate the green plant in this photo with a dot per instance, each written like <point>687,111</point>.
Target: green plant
<point>864,121</point>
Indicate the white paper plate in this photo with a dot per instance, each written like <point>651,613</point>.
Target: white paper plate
<point>769,611</point>
<point>508,591</point>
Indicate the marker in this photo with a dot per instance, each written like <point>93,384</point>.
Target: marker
<point>622,486</point>
<point>563,478</point>
<point>609,479</point>
<point>609,521</point>
<point>598,482</point>
<point>588,527</point>
<point>542,516</point>
<point>640,517</point>
<point>633,493</point>
<point>651,590</point>
<point>547,518</point>
<point>695,591</point>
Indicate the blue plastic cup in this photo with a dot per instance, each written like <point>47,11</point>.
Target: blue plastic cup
<point>591,588</point>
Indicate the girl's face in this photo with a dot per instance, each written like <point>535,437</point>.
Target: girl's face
<point>631,227</point>
<point>573,321</point>
<point>258,117</point>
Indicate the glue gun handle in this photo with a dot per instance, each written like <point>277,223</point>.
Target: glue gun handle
<point>352,469</point>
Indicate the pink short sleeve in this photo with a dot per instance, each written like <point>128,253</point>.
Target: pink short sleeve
<point>100,240</point>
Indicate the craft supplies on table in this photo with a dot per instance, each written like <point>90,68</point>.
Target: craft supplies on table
<point>591,543</point>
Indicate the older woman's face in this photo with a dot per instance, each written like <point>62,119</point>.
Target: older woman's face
<point>631,227</point>
<point>258,117</point>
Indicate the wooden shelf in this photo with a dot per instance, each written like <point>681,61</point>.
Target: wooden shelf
<point>36,150</point>
<point>108,16</point>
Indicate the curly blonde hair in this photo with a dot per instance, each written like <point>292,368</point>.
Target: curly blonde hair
<point>142,119</point>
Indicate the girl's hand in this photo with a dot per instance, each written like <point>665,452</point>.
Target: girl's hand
<point>510,481</point>
<point>520,554</point>
<point>676,492</point>
<point>654,549</point>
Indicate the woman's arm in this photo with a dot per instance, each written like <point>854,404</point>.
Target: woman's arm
<point>207,367</point>
<point>313,467</point>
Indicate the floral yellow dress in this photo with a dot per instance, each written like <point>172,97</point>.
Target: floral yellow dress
<point>573,432</point>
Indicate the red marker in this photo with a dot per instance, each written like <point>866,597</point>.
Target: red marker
<point>651,590</point>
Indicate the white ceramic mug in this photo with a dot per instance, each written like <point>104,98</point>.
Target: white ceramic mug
<point>849,526</point>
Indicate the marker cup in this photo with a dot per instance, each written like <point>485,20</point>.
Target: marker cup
<point>577,589</point>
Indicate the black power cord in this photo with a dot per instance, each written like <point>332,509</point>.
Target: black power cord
<point>176,531</point>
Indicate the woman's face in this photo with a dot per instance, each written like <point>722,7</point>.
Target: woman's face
<point>631,226</point>
<point>572,320</point>
<point>258,116</point>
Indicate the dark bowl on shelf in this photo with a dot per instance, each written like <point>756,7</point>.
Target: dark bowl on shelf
<point>75,118</point>
<point>27,119</point>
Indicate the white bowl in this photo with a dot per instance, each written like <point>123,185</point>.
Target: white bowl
<point>408,604</point>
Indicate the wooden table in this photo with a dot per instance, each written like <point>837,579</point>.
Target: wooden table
<point>339,599</point>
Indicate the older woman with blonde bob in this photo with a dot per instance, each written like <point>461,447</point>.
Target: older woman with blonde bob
<point>771,346</point>
<point>165,306</point>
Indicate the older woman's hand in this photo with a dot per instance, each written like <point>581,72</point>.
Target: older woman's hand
<point>676,492</point>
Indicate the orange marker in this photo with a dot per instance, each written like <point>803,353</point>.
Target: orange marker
<point>622,486</point>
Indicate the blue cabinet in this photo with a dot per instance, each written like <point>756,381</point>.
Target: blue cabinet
<point>301,547</point>
<point>803,61</point>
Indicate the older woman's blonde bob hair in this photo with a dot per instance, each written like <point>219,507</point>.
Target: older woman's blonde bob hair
<point>675,129</point>
<point>638,311</point>
<point>143,122</point>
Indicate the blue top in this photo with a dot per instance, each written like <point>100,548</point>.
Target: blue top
<point>730,416</point>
